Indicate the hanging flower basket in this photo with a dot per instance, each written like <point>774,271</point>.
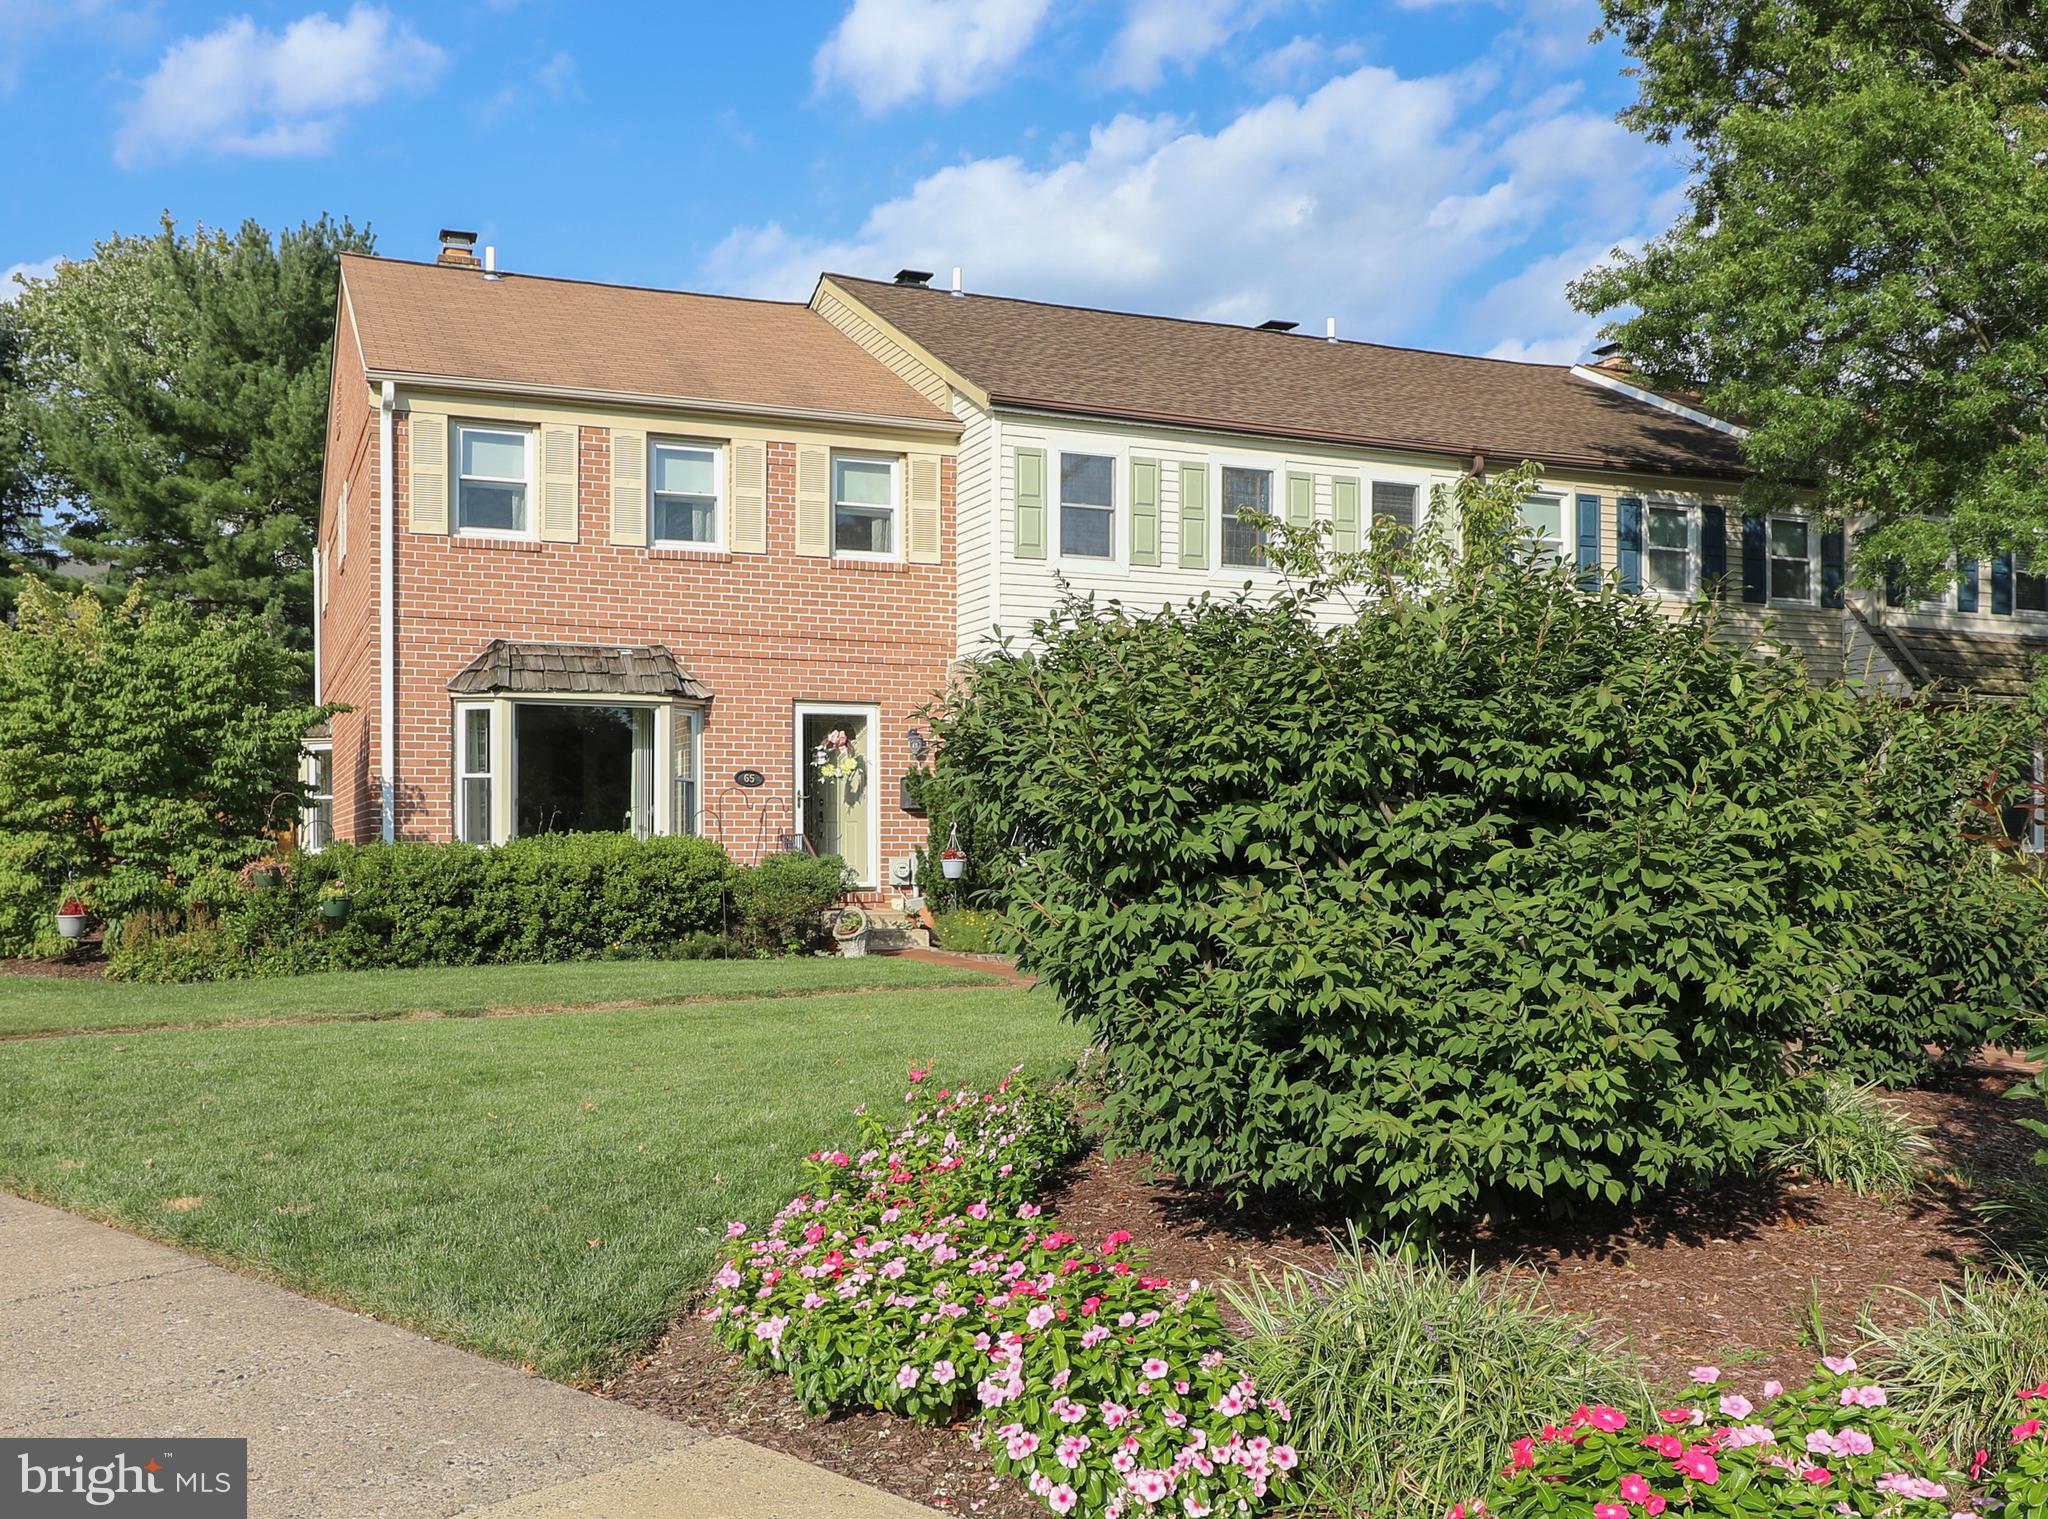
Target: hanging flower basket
<point>334,901</point>
<point>73,919</point>
<point>850,931</point>
<point>953,864</point>
<point>266,877</point>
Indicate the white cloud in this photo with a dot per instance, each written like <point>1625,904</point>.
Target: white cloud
<point>888,52</point>
<point>1372,199</point>
<point>25,24</point>
<point>242,89</point>
<point>1156,33</point>
<point>1299,59</point>
<point>37,269</point>
<point>557,79</point>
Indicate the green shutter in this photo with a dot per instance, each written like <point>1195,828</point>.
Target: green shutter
<point>1301,500</point>
<point>1030,469</point>
<point>1344,514</point>
<point>1144,511</point>
<point>1194,516</point>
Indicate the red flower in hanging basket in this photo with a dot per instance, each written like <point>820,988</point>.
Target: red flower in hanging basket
<point>73,908</point>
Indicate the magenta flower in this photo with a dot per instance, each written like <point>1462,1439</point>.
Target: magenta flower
<point>1698,1463</point>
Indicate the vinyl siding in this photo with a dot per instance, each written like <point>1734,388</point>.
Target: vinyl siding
<point>974,497</point>
<point>882,345</point>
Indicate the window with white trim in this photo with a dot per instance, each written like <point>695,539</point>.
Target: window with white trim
<point>864,507</point>
<point>1670,548</point>
<point>683,482</point>
<point>493,481</point>
<point>1087,506</point>
<point>1245,491</point>
<point>686,816</point>
<point>1791,551</point>
<point>316,822</point>
<point>1543,519</point>
<point>473,774</point>
<point>1395,505</point>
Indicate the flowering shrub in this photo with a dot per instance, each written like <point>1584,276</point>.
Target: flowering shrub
<point>919,1277</point>
<point>2023,1484</point>
<point>1832,1447</point>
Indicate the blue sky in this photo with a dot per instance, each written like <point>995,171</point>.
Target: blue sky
<point>1426,171</point>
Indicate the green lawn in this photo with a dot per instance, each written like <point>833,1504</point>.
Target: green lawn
<point>40,1004</point>
<point>545,1189</point>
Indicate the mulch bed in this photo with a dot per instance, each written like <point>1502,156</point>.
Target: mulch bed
<point>90,967</point>
<point>1725,1277</point>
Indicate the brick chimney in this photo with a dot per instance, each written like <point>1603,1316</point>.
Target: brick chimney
<point>459,248</point>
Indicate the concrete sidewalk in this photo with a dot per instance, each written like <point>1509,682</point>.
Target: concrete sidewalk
<point>104,1334</point>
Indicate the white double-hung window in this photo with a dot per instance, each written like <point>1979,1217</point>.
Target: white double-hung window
<point>473,774</point>
<point>1245,492</point>
<point>684,481</point>
<point>494,478</point>
<point>1792,554</point>
<point>1543,519</point>
<point>1670,549</point>
<point>1087,506</point>
<point>864,507</point>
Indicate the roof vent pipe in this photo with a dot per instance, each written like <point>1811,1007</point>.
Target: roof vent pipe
<point>1329,329</point>
<point>491,262</point>
<point>957,288</point>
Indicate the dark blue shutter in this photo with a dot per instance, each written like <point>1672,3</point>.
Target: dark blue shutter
<point>1713,551</point>
<point>1628,547</point>
<point>1966,588</point>
<point>2001,585</point>
<point>1756,567</point>
<point>1589,543</point>
<point>1831,569</point>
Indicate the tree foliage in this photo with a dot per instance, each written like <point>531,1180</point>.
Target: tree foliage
<point>1435,885</point>
<point>140,746</point>
<point>177,400</point>
<point>1858,276</point>
<point>24,551</point>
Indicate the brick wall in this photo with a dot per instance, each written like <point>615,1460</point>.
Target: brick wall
<point>762,631</point>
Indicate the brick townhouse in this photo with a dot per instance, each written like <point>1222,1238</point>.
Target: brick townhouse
<point>688,564</point>
<point>594,557</point>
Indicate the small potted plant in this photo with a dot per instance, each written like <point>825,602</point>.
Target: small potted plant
<point>334,900</point>
<point>73,919</point>
<point>953,859</point>
<point>850,931</point>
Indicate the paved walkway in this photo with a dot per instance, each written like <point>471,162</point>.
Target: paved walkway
<point>104,1334</point>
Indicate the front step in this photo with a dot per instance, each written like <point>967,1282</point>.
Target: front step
<point>890,931</point>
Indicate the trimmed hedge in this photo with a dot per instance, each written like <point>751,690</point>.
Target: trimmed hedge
<point>580,896</point>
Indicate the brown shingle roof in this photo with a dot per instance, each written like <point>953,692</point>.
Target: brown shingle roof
<point>1238,379</point>
<point>558,668</point>
<point>1944,659</point>
<point>452,323</point>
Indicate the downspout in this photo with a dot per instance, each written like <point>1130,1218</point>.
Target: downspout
<point>387,620</point>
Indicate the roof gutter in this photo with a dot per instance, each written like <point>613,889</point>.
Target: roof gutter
<point>419,380</point>
<point>1460,452</point>
<point>387,618</point>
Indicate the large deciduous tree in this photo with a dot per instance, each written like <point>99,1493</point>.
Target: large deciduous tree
<point>177,404</point>
<point>1859,276</point>
<point>24,550</point>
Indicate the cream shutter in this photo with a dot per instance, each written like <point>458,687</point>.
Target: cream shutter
<point>814,502</point>
<point>558,484</point>
<point>749,533</point>
<point>921,541</point>
<point>426,438</point>
<point>629,488</point>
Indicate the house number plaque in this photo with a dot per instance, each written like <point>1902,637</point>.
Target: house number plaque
<point>749,778</point>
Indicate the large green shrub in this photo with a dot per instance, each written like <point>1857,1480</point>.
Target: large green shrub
<point>551,897</point>
<point>141,746</point>
<point>1958,919</point>
<point>1496,896</point>
<point>782,901</point>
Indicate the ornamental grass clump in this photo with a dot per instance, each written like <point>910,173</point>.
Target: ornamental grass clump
<point>1408,1376</point>
<point>1852,1136</point>
<point>918,1277</point>
<point>1832,1447</point>
<point>1956,1361</point>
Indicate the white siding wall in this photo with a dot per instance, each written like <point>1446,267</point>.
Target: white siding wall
<point>974,518</point>
<point>883,345</point>
<point>1030,587</point>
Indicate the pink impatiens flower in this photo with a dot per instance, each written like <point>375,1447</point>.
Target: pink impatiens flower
<point>1839,1365</point>
<point>943,1372</point>
<point>1062,1499</point>
<point>1871,1396</point>
<point>1634,1488</point>
<point>1773,1388</point>
<point>1736,1406</point>
<point>1706,1374</point>
<point>906,1378</point>
<point>1698,1463</point>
